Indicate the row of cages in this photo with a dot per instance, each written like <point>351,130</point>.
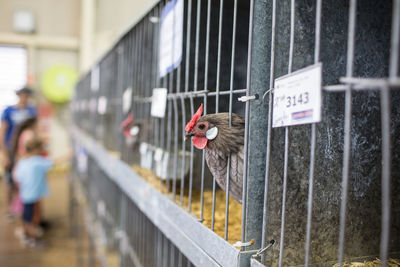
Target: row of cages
<point>257,190</point>
<point>120,234</point>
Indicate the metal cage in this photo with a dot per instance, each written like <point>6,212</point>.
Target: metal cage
<point>314,194</point>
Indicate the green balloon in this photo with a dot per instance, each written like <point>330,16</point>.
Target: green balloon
<point>58,83</point>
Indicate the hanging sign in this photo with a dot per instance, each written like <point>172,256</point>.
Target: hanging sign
<point>95,78</point>
<point>102,105</point>
<point>84,105</point>
<point>101,208</point>
<point>159,102</point>
<point>297,97</point>
<point>93,105</point>
<point>127,100</point>
<point>171,36</point>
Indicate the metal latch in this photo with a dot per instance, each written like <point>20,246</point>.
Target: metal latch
<point>262,250</point>
<point>248,98</point>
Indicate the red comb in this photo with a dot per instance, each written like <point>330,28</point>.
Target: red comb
<point>192,122</point>
<point>126,123</point>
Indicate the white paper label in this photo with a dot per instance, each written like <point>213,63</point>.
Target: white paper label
<point>101,208</point>
<point>158,154</point>
<point>102,105</point>
<point>297,97</point>
<point>93,105</point>
<point>143,148</point>
<point>159,102</point>
<point>171,36</point>
<point>127,100</point>
<point>124,244</point>
<point>95,78</point>
<point>164,167</point>
<point>84,105</point>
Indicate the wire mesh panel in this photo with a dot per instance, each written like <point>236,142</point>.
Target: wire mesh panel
<point>108,101</point>
<point>337,171</point>
<point>146,245</point>
<point>213,71</point>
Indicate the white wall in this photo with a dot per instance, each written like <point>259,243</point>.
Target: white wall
<point>109,20</point>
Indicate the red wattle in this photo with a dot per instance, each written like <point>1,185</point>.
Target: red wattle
<point>199,142</point>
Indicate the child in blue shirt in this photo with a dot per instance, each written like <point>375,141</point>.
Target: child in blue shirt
<point>11,117</point>
<point>30,174</point>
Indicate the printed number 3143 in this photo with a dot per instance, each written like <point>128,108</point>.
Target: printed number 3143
<point>301,99</point>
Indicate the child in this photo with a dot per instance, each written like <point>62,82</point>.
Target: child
<point>25,131</point>
<point>30,174</point>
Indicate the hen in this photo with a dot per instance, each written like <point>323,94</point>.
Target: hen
<point>213,134</point>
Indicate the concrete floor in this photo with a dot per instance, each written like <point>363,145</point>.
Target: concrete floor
<point>60,246</point>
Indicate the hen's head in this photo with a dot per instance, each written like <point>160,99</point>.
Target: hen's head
<point>201,130</point>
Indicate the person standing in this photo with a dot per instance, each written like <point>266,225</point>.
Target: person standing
<point>30,177</point>
<point>26,130</point>
<point>11,117</point>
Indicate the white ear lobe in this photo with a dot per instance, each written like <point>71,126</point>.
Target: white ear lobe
<point>212,133</point>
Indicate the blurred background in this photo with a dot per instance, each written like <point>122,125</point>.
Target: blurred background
<point>46,45</point>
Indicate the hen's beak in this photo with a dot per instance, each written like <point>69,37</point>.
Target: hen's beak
<point>188,135</point>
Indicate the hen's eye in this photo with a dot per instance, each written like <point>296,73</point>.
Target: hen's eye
<point>201,126</point>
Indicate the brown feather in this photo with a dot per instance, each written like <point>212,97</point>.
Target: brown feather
<point>230,140</point>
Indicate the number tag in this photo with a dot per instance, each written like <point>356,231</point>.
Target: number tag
<point>297,97</point>
<point>84,105</point>
<point>95,78</point>
<point>93,105</point>
<point>102,105</point>
<point>159,102</point>
<point>127,100</point>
